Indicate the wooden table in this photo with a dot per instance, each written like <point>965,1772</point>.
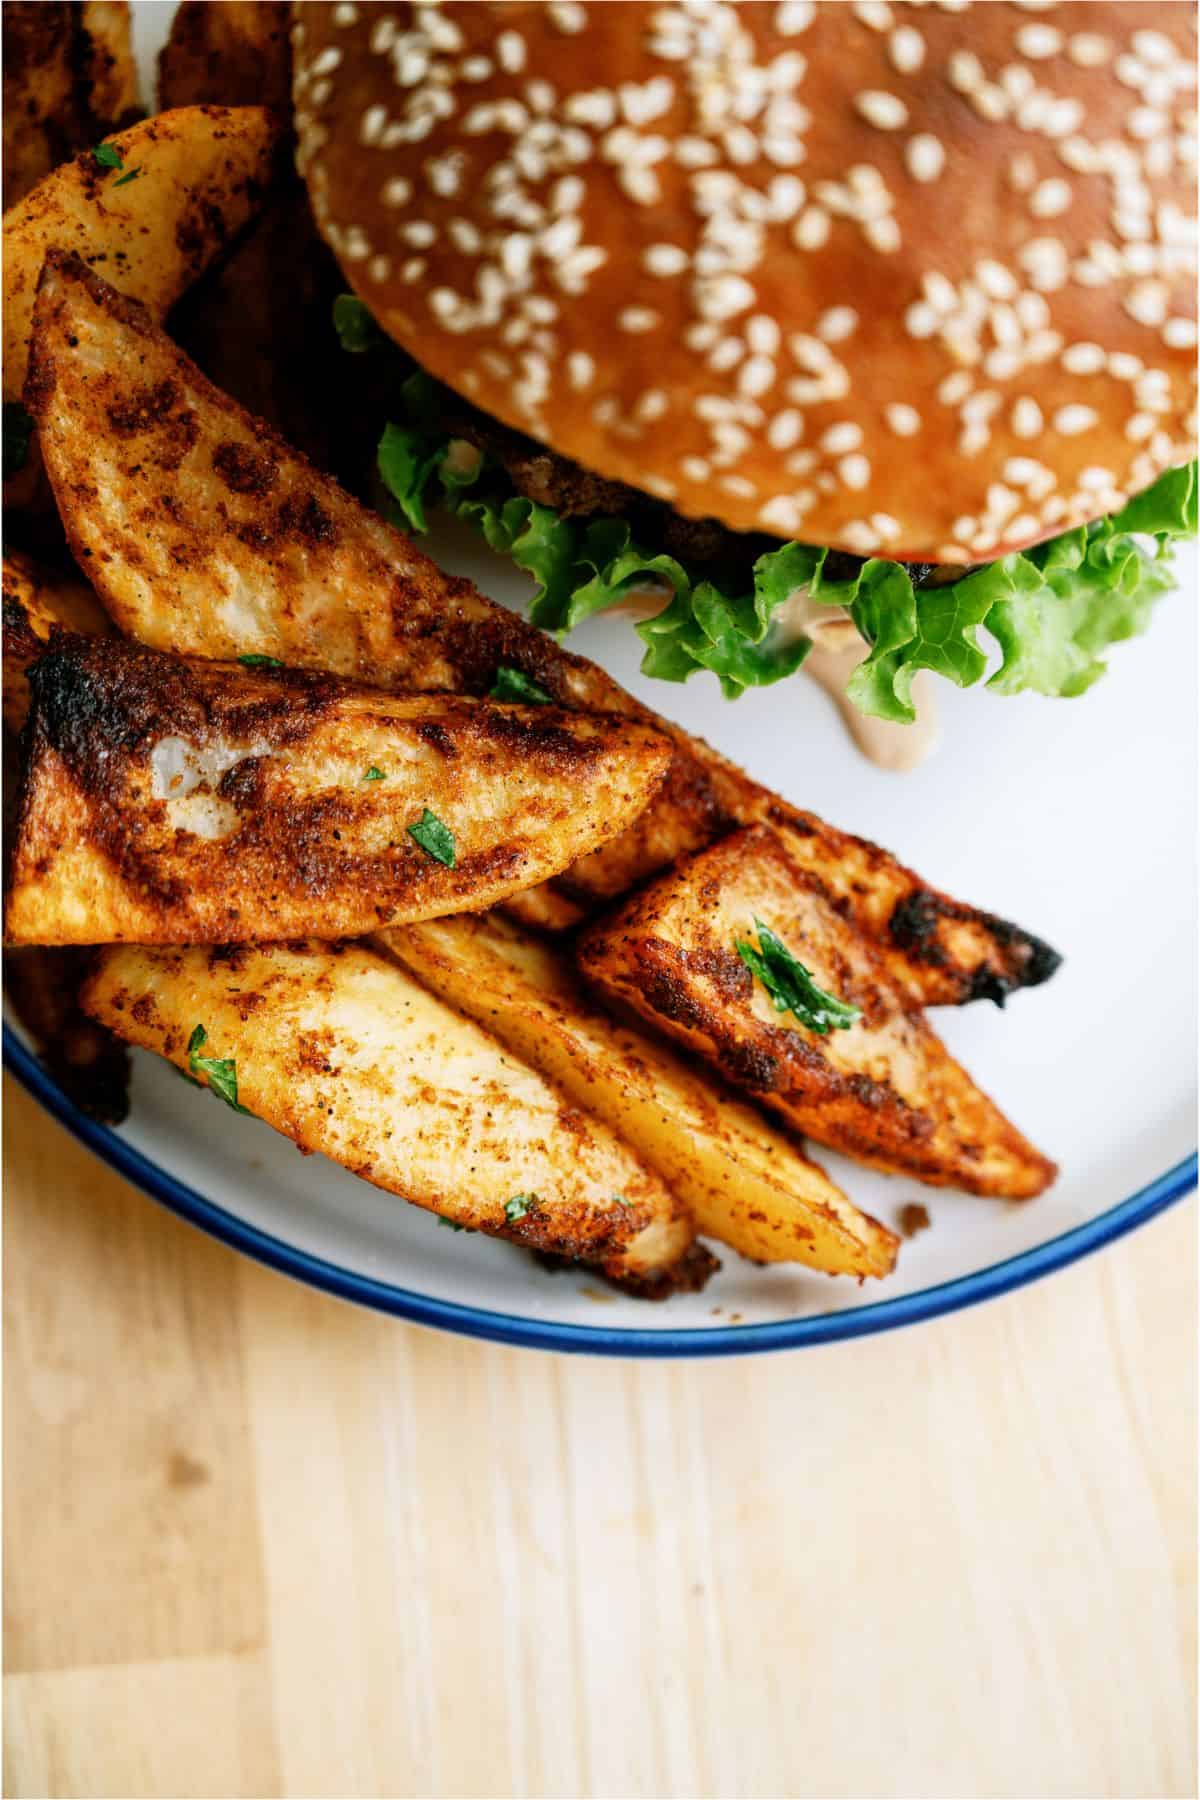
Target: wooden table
<point>258,1542</point>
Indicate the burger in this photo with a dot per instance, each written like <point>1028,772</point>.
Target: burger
<point>872,319</point>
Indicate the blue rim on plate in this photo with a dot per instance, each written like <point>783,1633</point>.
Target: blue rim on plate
<point>507,1328</point>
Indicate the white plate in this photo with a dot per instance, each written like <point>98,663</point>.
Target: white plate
<point>1074,818</point>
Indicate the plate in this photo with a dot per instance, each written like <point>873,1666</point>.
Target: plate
<point>1073,817</point>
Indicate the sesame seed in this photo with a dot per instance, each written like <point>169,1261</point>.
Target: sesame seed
<point>855,471</point>
<point>1147,303</point>
<point>887,112</point>
<point>1083,359</point>
<point>396,192</point>
<point>1140,426</point>
<point>567,16</point>
<point>1050,198</point>
<point>326,62</point>
<point>785,429</point>
<point>722,296</point>
<point>418,232</point>
<point>954,388</point>
<point>794,16</point>
<point>1026,418</point>
<point>475,68</point>
<point>838,323</point>
<point>841,437</point>
<point>1039,41</point>
<point>906,50</point>
<point>510,51</point>
<point>995,280</point>
<point>920,320</point>
<point>1088,50</point>
<point>637,318</point>
<point>664,259</point>
<point>924,157</point>
<point>965,71</point>
<point>882,234</point>
<point>811,230</point>
<point>904,421</point>
<point>1071,420</point>
<point>695,468</point>
<point>581,370</point>
<point>875,14</point>
<point>1153,47</point>
<point>1179,333</point>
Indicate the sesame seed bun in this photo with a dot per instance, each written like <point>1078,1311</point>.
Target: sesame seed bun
<point>905,280</point>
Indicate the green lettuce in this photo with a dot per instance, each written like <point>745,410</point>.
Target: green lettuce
<point>1052,610</point>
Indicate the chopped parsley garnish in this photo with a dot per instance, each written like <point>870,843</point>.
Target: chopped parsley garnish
<point>511,684</point>
<point>434,838</point>
<point>453,1224</point>
<point>791,986</point>
<point>518,1206</point>
<point>18,429</point>
<point>260,662</point>
<point>221,1070</point>
<point>374,774</point>
<point>132,175</point>
<point>356,329</point>
<point>108,156</point>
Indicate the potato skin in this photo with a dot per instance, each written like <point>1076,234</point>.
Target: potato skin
<point>886,1091</point>
<point>340,1050</point>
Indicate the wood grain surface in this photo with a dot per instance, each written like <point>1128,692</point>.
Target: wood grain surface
<point>260,1543</point>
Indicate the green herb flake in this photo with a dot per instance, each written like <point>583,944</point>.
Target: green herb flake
<point>260,662</point>
<point>18,429</point>
<point>620,1200</point>
<point>356,329</point>
<point>791,986</point>
<point>374,774</point>
<point>435,839</point>
<point>521,690</point>
<point>108,156</point>
<point>453,1225</point>
<point>124,180</point>
<point>220,1070</point>
<point>519,1206</point>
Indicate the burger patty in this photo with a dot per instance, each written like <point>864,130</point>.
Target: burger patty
<point>706,545</point>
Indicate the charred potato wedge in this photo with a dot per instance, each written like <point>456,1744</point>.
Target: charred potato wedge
<point>885,1091</point>
<point>69,79</point>
<point>37,602</point>
<point>198,175</point>
<point>173,801</point>
<point>747,1186</point>
<point>341,1051</point>
<point>277,559</point>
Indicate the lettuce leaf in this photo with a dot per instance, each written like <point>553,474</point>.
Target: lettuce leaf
<point>1052,611</point>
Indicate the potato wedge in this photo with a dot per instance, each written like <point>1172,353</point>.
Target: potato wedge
<point>37,601</point>
<point>173,801</point>
<point>202,172</point>
<point>235,54</point>
<point>283,562</point>
<point>69,79</point>
<point>747,1185</point>
<point>341,1051</point>
<point>885,1091</point>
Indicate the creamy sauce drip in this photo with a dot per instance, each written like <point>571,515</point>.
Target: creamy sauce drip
<point>836,653</point>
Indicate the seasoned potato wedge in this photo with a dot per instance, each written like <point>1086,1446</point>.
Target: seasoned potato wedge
<point>201,173</point>
<point>340,1050</point>
<point>281,561</point>
<point>38,600</point>
<point>746,1185</point>
<point>235,54</point>
<point>885,1090</point>
<point>69,79</point>
<point>86,1061</point>
<point>173,801</point>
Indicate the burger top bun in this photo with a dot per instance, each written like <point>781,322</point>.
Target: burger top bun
<point>903,279</point>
